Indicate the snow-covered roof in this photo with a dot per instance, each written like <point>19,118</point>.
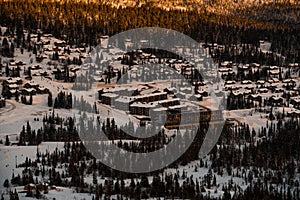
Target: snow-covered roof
<point>263,90</point>
<point>31,83</point>
<point>124,99</point>
<point>151,95</point>
<point>294,111</point>
<point>13,86</point>
<point>168,100</point>
<point>142,117</point>
<point>260,81</point>
<point>143,105</point>
<point>10,81</point>
<point>229,82</point>
<point>110,95</point>
<point>274,67</point>
<point>118,89</point>
<point>198,95</point>
<point>255,65</point>
<point>185,88</point>
<point>159,109</point>
<point>288,80</point>
<point>293,65</point>
<point>297,100</point>
<point>274,72</point>
<point>42,88</point>
<point>29,89</point>
<point>225,69</point>
<point>244,66</point>
<point>13,91</point>
<point>47,35</point>
<point>225,63</point>
<point>178,106</point>
<point>246,82</point>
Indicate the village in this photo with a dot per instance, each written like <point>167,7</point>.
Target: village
<point>39,85</point>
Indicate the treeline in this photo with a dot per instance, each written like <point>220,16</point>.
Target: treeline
<point>268,159</point>
<point>268,167</point>
<point>79,164</point>
<point>81,23</point>
<point>54,128</point>
<point>252,53</point>
<point>63,100</point>
<point>274,147</point>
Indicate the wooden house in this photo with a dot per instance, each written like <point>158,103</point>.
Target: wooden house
<point>31,85</point>
<point>293,114</point>
<point>12,93</point>
<point>12,86</point>
<point>29,187</point>
<point>42,186</point>
<point>276,101</point>
<point>295,102</point>
<point>16,80</point>
<point>42,90</point>
<point>36,67</point>
<point>28,91</point>
<point>33,187</point>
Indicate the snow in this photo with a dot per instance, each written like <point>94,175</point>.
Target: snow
<point>10,154</point>
<point>60,193</point>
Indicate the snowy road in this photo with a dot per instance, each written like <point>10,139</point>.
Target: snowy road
<point>10,108</point>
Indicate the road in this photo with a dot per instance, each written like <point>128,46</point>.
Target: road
<point>13,106</point>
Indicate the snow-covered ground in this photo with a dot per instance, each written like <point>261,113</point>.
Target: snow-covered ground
<point>12,155</point>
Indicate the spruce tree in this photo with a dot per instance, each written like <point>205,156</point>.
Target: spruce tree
<point>7,142</point>
<point>50,100</point>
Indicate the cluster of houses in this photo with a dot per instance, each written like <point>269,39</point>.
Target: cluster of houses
<point>59,48</point>
<point>273,94</point>
<point>13,68</point>
<point>228,68</point>
<point>10,87</point>
<point>277,86</point>
<point>42,187</point>
<point>13,87</point>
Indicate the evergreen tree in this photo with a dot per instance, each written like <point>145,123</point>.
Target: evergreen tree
<point>6,183</point>
<point>7,142</point>
<point>50,100</point>
<point>30,99</point>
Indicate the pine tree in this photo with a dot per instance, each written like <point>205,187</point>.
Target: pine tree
<point>7,143</point>
<point>17,97</point>
<point>6,183</point>
<point>30,99</point>
<point>50,100</point>
<point>95,181</point>
<point>215,181</point>
<point>7,70</point>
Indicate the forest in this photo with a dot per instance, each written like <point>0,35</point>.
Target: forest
<point>265,159</point>
<point>81,23</point>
